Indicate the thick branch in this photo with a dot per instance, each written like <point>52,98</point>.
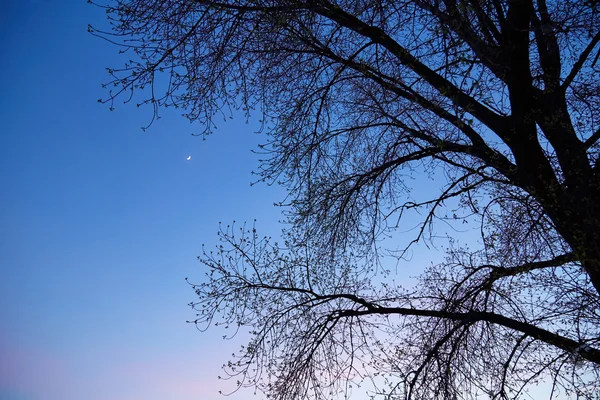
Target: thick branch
<point>492,120</point>
<point>497,272</point>
<point>547,47</point>
<point>561,342</point>
<point>592,139</point>
<point>501,272</point>
<point>582,58</point>
<point>479,148</point>
<point>487,52</point>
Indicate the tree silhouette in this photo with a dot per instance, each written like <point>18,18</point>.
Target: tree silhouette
<point>496,101</point>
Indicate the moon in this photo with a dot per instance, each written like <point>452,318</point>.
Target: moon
<point>189,158</point>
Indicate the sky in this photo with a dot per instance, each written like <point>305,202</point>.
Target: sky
<point>100,222</point>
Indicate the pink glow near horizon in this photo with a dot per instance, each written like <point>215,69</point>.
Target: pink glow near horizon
<point>40,374</point>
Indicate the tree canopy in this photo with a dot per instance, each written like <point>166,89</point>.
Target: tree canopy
<point>494,103</point>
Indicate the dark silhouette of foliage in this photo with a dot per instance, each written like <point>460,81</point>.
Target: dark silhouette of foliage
<point>493,105</point>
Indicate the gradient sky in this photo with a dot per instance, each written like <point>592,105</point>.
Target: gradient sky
<point>100,222</point>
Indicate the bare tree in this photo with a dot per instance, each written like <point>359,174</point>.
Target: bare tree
<point>496,100</point>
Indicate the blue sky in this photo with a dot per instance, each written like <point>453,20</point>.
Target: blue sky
<point>100,222</point>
